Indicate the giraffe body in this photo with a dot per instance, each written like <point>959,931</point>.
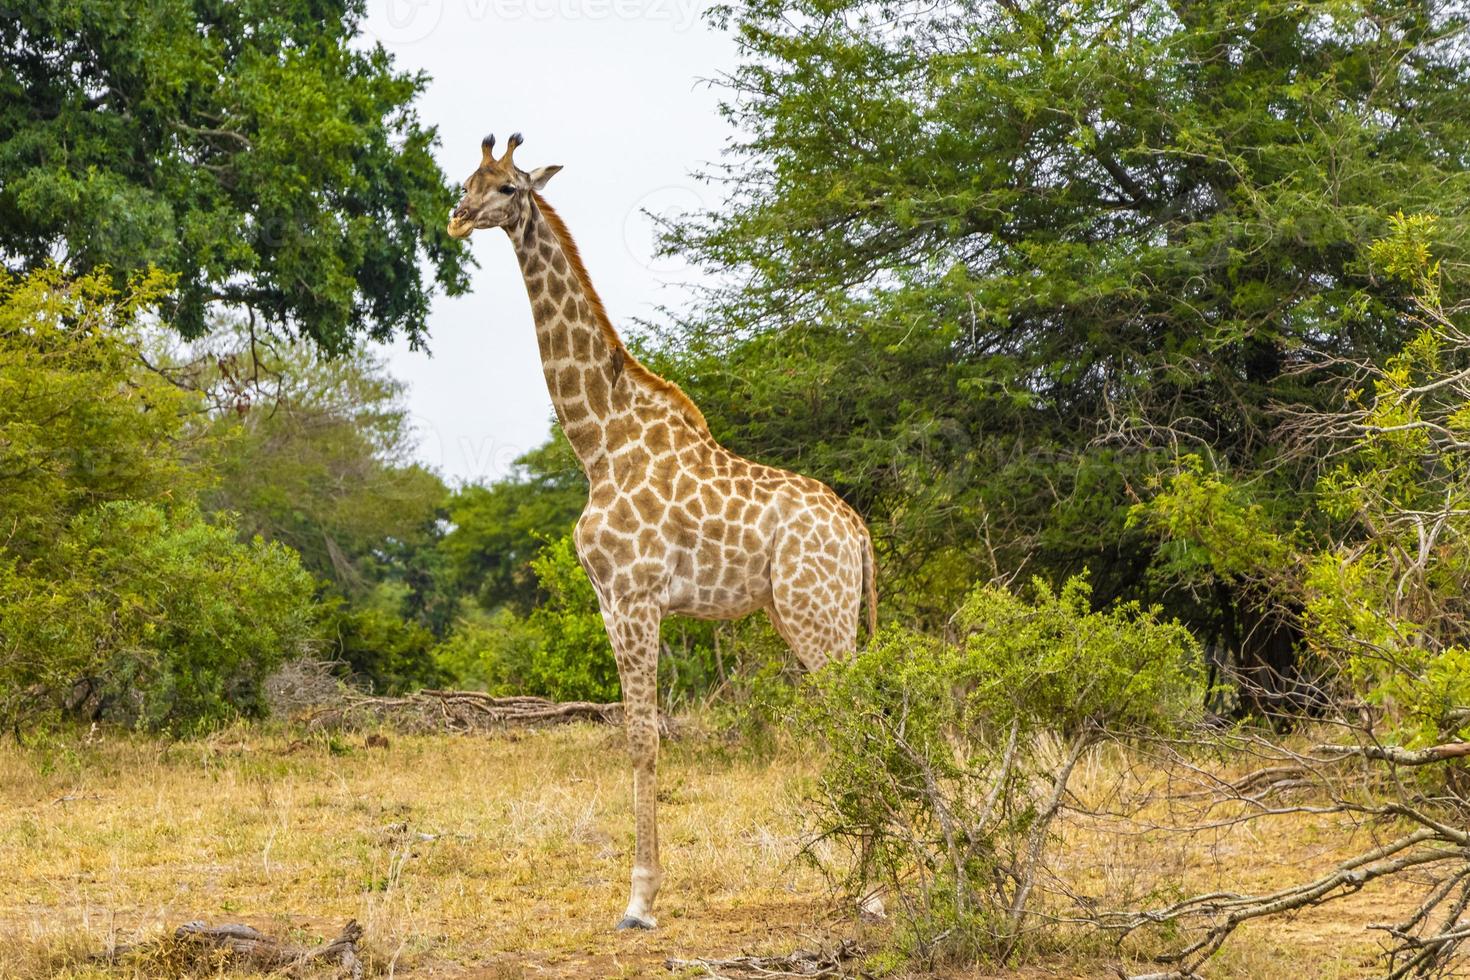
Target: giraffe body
<point>675,523</point>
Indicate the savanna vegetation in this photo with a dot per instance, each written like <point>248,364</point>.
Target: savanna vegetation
<point>1138,332</point>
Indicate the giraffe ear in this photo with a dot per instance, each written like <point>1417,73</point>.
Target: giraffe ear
<point>541,175</point>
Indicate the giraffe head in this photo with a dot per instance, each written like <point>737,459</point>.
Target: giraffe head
<point>498,193</point>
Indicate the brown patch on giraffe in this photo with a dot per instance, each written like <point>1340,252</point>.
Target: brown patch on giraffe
<point>659,439</point>
<point>600,496</point>
<point>582,345</point>
<point>635,458</point>
<point>649,506</point>
<point>596,391</point>
<point>622,517</point>
<point>616,434</point>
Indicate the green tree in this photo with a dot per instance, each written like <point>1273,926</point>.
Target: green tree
<point>80,424</point>
<point>316,453</point>
<point>116,595</point>
<point>254,149</point>
<point>499,529</point>
<point>991,266</point>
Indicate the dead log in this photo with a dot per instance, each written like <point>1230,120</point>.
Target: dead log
<point>251,947</point>
<point>456,712</point>
<point>1400,756</point>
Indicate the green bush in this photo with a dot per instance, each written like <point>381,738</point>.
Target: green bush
<point>943,773</point>
<point>382,650</point>
<point>161,619</point>
<point>117,597</point>
<point>559,650</point>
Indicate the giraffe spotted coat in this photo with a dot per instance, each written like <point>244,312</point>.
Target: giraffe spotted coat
<point>675,523</point>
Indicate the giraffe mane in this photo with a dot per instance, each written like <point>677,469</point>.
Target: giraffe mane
<point>631,365</point>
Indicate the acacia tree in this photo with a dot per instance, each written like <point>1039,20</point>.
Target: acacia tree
<point>994,263</point>
<point>249,148</point>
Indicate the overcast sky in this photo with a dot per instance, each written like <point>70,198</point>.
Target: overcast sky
<point>613,91</point>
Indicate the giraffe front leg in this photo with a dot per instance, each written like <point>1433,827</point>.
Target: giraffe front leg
<point>635,641</point>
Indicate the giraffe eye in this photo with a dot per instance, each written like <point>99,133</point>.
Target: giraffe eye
<point>507,188</point>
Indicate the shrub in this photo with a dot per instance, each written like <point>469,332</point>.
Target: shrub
<point>117,597</point>
<point>560,648</point>
<point>382,650</point>
<point>943,774</point>
<point>160,619</point>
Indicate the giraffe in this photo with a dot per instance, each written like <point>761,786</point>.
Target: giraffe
<point>674,523</point>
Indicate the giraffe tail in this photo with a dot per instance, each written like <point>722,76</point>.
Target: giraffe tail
<point>870,583</point>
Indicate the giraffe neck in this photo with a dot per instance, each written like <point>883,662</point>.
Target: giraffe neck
<point>582,358</point>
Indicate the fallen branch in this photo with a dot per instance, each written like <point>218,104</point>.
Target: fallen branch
<point>1400,756</point>
<point>802,963</point>
<point>252,947</point>
<point>456,712</point>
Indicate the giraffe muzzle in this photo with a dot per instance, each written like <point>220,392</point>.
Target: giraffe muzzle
<point>460,222</point>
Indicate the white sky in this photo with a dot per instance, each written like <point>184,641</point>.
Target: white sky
<point>613,91</point>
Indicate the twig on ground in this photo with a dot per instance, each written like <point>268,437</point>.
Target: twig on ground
<point>802,963</point>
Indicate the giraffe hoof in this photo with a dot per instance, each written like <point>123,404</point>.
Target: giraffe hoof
<point>631,923</point>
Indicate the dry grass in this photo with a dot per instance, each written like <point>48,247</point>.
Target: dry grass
<point>1125,863</point>
<point>507,857</point>
<point>524,874</point>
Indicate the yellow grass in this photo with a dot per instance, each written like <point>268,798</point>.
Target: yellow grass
<point>507,857</point>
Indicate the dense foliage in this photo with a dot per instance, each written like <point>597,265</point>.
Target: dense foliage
<point>117,595</point>
<point>1381,594</point>
<point>990,267</point>
<point>252,149</point>
<point>1036,286</point>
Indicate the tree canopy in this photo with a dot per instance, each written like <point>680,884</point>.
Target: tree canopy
<point>252,149</point>
<point>988,267</point>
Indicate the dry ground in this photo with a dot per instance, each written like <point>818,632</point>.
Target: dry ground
<point>507,856</point>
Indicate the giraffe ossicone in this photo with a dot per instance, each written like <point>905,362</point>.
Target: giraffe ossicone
<point>675,523</point>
